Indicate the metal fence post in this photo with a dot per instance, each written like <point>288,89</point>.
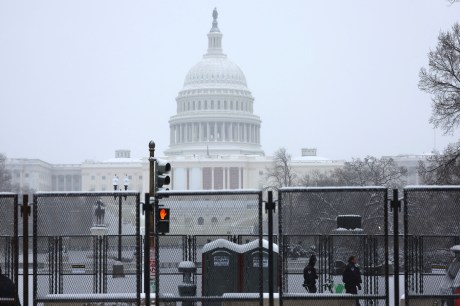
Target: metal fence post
<point>270,206</point>
<point>395,205</point>
<point>25,212</point>
<point>147,250</point>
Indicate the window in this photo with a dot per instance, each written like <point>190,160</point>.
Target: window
<point>218,178</point>
<point>200,221</point>
<point>207,178</point>
<point>214,220</point>
<point>103,177</point>
<point>227,219</point>
<point>93,177</point>
<point>140,177</point>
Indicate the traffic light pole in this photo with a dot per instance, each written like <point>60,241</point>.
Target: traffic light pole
<point>150,267</point>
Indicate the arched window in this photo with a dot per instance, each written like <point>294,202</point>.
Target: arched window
<point>200,221</point>
<point>214,220</point>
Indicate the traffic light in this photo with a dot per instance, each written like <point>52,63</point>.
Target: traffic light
<point>163,224</point>
<point>162,178</point>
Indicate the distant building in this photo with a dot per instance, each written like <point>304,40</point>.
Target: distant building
<point>411,162</point>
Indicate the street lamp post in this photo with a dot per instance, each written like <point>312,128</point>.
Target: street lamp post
<point>115,186</point>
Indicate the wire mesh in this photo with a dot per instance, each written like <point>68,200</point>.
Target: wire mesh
<point>204,230</point>
<point>9,251</point>
<point>432,244</point>
<point>86,243</point>
<point>333,224</point>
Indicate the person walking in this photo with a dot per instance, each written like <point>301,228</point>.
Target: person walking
<point>310,276</point>
<point>352,276</point>
<point>8,290</point>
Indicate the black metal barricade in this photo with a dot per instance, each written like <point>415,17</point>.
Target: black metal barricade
<point>200,260</point>
<point>432,245</point>
<point>86,247</point>
<point>333,224</point>
<point>9,250</point>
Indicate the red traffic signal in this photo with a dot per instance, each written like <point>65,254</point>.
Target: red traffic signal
<point>163,224</point>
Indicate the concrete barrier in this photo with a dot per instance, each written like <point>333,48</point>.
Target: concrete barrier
<point>83,299</point>
<point>309,299</point>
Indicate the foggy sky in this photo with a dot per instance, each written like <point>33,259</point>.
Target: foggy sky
<point>80,79</point>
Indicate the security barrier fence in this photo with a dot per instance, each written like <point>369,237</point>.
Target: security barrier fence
<point>9,250</point>
<point>333,224</point>
<point>88,248</point>
<point>201,259</point>
<point>432,245</point>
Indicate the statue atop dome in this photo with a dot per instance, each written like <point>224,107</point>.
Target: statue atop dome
<point>214,28</point>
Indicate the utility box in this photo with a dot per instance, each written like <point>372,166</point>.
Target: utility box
<point>221,265</point>
<point>251,264</point>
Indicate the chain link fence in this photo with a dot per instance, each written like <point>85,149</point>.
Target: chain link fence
<point>214,251</point>
<point>333,224</point>
<point>86,247</point>
<point>432,245</point>
<point>9,249</point>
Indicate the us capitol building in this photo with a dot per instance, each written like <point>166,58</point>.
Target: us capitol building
<point>214,140</point>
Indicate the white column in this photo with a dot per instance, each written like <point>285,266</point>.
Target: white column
<point>231,131</point>
<point>179,134</point>
<point>212,178</point>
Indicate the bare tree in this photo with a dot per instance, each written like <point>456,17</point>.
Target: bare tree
<point>442,168</point>
<point>318,178</point>
<point>370,171</point>
<point>5,175</point>
<point>281,174</point>
<point>442,81</point>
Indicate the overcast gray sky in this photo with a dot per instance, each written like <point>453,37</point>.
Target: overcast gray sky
<point>80,79</point>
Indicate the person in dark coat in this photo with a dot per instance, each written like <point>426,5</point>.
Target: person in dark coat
<point>310,276</point>
<point>352,276</point>
<point>8,290</point>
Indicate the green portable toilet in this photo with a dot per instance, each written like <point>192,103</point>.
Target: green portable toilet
<point>220,272</point>
<point>251,263</point>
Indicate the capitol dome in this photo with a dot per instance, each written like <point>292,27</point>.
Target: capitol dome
<point>218,71</point>
<point>215,108</point>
